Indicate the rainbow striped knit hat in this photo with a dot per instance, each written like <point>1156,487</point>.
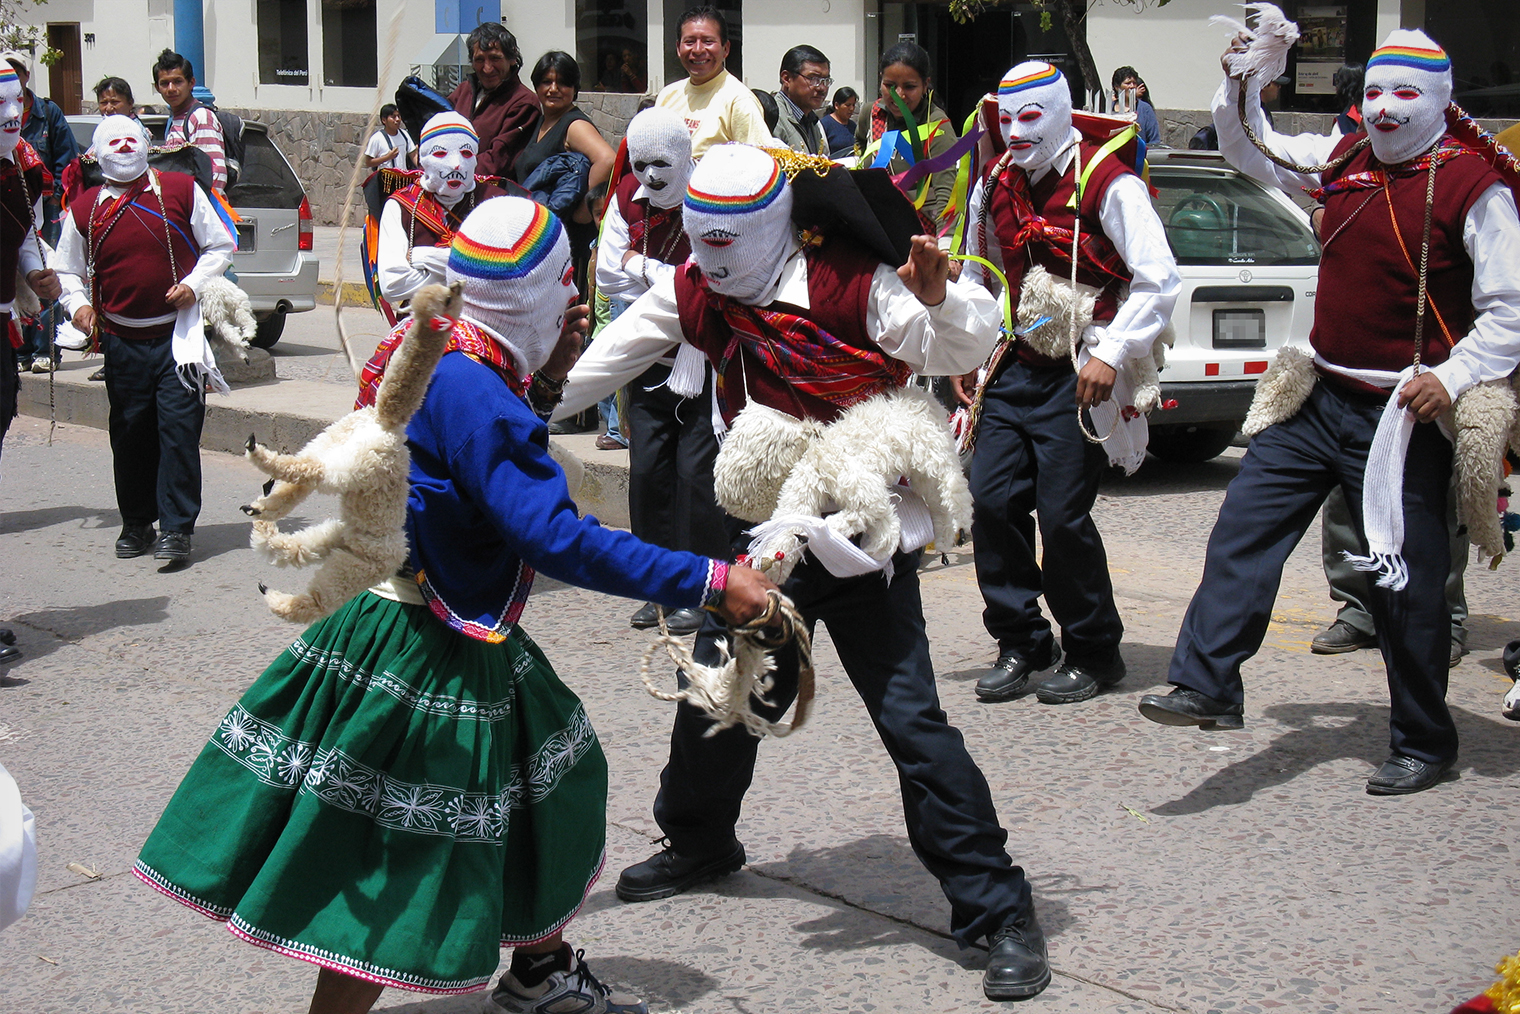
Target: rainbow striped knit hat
<point>513,258</point>
<point>738,213</point>
<point>1409,56</point>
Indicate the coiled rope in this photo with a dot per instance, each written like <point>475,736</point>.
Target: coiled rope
<point>724,692</point>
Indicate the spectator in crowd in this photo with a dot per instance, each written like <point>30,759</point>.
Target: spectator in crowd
<point>390,145</point>
<point>1131,96</point>
<point>714,104</point>
<point>113,97</point>
<point>612,72</point>
<point>1348,89</point>
<point>905,84</point>
<point>23,180</point>
<point>768,109</point>
<point>502,108</point>
<point>189,121</point>
<point>633,72</point>
<point>804,88</point>
<point>839,124</point>
<point>45,129</point>
<point>1207,138</point>
<point>126,285</point>
<point>564,129</point>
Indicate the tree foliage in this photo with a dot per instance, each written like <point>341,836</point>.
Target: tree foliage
<point>1073,14</point>
<point>25,38</point>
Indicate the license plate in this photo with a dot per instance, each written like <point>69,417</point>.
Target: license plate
<point>248,232</point>
<point>1240,329</point>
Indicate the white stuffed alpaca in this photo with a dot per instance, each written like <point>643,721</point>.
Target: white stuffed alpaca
<point>228,314</point>
<point>362,458</point>
<point>849,476</point>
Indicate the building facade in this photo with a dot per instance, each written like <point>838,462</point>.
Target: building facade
<point>311,68</point>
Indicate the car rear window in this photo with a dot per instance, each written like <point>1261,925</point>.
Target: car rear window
<point>1217,218</point>
<point>266,180</point>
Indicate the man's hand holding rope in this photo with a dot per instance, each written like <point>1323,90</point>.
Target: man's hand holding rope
<point>746,597</point>
<point>45,283</point>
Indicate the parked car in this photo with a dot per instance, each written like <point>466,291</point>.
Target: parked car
<point>1250,264</point>
<point>274,262</point>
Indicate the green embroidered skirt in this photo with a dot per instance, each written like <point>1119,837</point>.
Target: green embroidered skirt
<point>392,800</point>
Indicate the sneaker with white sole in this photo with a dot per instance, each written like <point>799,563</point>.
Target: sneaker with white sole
<point>573,992</point>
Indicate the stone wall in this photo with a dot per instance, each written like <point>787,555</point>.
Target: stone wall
<point>323,147</point>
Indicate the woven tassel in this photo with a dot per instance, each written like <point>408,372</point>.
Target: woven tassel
<point>689,373</point>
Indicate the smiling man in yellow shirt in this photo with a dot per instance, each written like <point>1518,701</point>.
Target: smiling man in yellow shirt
<point>715,105</point>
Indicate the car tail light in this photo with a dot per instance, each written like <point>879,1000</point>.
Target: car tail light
<point>304,219</point>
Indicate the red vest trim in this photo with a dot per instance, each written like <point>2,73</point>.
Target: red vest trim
<point>1364,312</point>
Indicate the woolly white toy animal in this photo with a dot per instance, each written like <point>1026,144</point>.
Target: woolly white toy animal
<point>228,314</point>
<point>363,459</point>
<point>852,470</point>
<point>1266,54</point>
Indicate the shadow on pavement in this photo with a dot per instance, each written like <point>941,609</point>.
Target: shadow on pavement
<point>666,985</point>
<point>1156,476</point>
<point>47,517</point>
<point>1335,731</point>
<point>1147,665</point>
<point>1486,631</point>
<point>58,627</point>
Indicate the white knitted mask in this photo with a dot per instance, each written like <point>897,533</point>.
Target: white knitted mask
<point>1408,87</point>
<point>10,110</point>
<point>514,260</point>
<point>120,148</point>
<point>659,148</point>
<point>1034,112</point>
<point>447,152</point>
<point>738,214</point>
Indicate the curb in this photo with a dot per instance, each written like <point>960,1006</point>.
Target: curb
<point>354,293</point>
<point>286,414</point>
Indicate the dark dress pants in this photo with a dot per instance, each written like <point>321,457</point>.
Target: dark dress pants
<point>671,451</point>
<point>1284,478</point>
<point>878,629</point>
<point>155,426</point>
<point>1032,462</point>
<point>10,383</point>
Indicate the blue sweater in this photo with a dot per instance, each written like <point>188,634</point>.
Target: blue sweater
<point>486,500</point>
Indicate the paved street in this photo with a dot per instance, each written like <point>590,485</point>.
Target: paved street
<point>1174,870</point>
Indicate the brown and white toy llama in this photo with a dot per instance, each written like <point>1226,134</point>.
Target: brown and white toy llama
<point>362,459</point>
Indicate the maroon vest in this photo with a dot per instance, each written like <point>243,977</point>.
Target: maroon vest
<point>16,223</point>
<point>1049,198</point>
<point>1364,312</point>
<point>661,225</point>
<point>839,283</point>
<point>132,270</point>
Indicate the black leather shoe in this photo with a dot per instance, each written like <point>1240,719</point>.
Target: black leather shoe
<point>684,621</point>
<point>1017,966</point>
<point>1010,674</point>
<point>1079,681</point>
<point>668,873</point>
<point>7,635</point>
<point>172,547</point>
<point>9,655</point>
<point>1185,706</point>
<point>1340,637</point>
<point>644,619</point>
<point>1401,775</point>
<point>134,540</point>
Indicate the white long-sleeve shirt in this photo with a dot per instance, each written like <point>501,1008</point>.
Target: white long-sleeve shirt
<point>1130,222</point>
<point>1490,235</point>
<point>211,235</point>
<point>951,338</point>
<point>615,279</point>
<point>399,278</point>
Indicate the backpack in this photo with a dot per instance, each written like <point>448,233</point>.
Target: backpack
<point>418,103</point>
<point>232,143</point>
<point>233,148</point>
